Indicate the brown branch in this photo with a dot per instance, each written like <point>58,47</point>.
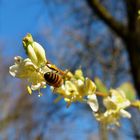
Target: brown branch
<point>101,12</point>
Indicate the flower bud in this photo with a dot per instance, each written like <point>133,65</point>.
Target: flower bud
<point>34,50</point>
<point>32,54</point>
<point>26,41</point>
<point>40,53</point>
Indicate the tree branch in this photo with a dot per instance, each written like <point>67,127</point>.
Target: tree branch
<point>132,7</point>
<point>101,12</point>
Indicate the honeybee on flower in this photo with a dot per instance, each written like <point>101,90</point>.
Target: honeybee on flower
<point>39,72</point>
<point>36,68</point>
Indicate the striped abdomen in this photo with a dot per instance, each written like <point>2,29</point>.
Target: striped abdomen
<point>53,79</point>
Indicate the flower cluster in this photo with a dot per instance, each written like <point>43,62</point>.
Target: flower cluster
<point>115,105</point>
<point>33,67</point>
<point>75,87</point>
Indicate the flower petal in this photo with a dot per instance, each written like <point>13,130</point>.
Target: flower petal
<point>22,69</point>
<point>125,114</point>
<point>90,87</point>
<point>93,102</point>
<point>36,87</point>
<point>40,53</point>
<point>13,70</point>
<point>32,55</point>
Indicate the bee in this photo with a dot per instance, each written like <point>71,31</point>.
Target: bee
<point>53,79</point>
<point>55,76</point>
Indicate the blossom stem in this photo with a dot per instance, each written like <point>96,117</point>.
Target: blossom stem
<point>103,132</point>
<point>98,93</point>
<point>135,104</point>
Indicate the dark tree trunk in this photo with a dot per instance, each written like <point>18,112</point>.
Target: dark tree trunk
<point>133,47</point>
<point>132,40</point>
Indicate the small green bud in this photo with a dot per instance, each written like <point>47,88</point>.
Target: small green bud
<point>26,41</point>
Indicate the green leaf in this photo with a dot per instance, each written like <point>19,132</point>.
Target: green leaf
<point>129,90</point>
<point>100,86</point>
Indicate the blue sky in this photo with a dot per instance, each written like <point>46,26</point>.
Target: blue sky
<point>16,19</point>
